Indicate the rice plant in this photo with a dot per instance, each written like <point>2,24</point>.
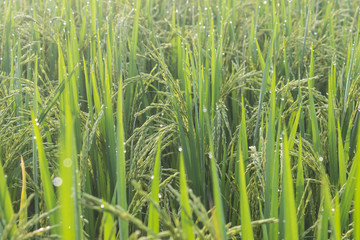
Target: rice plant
<point>155,119</point>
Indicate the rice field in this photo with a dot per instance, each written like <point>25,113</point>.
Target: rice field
<point>159,119</point>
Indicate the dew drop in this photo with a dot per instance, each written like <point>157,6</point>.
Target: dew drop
<point>57,181</point>
<point>67,162</point>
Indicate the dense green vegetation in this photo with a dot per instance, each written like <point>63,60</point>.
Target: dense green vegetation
<point>208,119</point>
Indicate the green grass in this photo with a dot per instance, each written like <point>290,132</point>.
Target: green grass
<point>202,119</point>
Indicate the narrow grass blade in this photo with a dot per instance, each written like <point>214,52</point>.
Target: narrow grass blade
<point>153,212</point>
<point>347,196</point>
<point>263,86</point>
<point>186,214</point>
<point>121,163</point>
<point>109,226</point>
<point>329,213</point>
<point>71,227</point>
<point>35,157</point>
<point>291,226</point>
<point>244,143</point>
<point>357,190</point>
<point>333,161</point>
<point>49,194</point>
<point>109,129</point>
<point>246,228</point>
<point>300,188</point>
<point>294,128</point>
<point>337,222</point>
<point>219,220</point>
<point>274,228</point>
<point>6,210</point>
<point>270,146</point>
<point>314,124</point>
<point>132,65</point>
<point>261,59</point>
<point>23,215</point>
<point>305,37</point>
<point>349,190</point>
<point>341,156</point>
<point>324,213</point>
<point>348,80</point>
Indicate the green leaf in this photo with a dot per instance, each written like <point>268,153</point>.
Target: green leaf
<point>49,194</point>
<point>186,213</point>
<point>6,211</point>
<point>291,226</point>
<point>153,212</point>
<point>246,228</point>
